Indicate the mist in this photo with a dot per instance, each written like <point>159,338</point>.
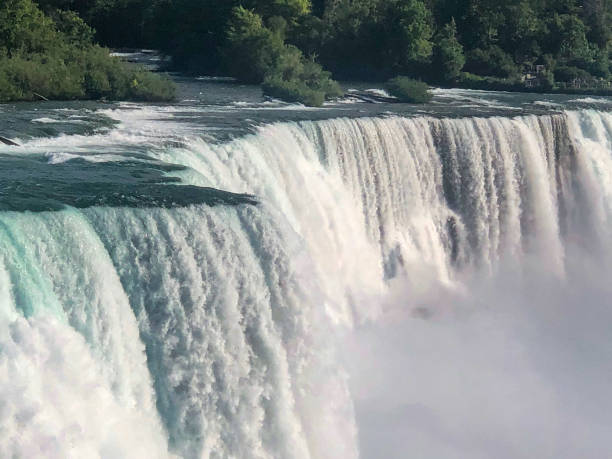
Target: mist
<point>511,365</point>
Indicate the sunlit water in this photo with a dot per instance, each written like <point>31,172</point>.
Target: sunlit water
<point>230,276</point>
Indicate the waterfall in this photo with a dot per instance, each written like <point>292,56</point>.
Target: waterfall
<point>212,331</point>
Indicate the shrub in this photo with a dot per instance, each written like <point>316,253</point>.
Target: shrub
<point>408,90</point>
<point>492,61</point>
<point>297,79</point>
<point>292,91</point>
<point>318,79</point>
<point>147,86</point>
<point>79,74</point>
<point>471,81</point>
<point>107,77</point>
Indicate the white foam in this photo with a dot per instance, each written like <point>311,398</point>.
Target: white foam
<point>46,120</point>
<point>591,100</point>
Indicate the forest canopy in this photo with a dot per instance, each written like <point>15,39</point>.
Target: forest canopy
<point>515,44</point>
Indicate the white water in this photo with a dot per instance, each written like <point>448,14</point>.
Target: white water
<point>252,316</point>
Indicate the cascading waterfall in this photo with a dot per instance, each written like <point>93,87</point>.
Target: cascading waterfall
<point>444,193</point>
<point>211,331</point>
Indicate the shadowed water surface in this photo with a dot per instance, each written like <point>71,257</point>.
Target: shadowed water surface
<point>32,184</point>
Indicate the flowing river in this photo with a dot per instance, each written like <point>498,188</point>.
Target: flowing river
<point>234,277</point>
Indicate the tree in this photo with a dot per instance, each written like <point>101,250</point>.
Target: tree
<point>568,37</point>
<point>25,29</point>
<point>407,26</point>
<point>517,35</point>
<point>252,50</point>
<point>492,61</point>
<point>74,29</point>
<point>448,54</point>
<point>257,54</point>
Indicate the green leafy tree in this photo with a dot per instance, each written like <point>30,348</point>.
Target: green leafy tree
<point>371,38</point>
<point>367,39</point>
<point>252,50</point>
<point>568,36</point>
<point>74,29</point>
<point>518,33</point>
<point>255,54</point>
<point>492,61</point>
<point>408,25</point>
<point>448,55</point>
<point>25,29</point>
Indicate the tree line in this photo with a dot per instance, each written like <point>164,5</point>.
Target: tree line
<point>287,44</point>
<point>371,38</point>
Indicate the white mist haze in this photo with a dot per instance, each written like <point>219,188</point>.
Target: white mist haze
<point>516,366</point>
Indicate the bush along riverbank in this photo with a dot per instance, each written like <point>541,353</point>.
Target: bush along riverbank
<point>54,57</point>
<point>282,69</point>
<point>408,90</point>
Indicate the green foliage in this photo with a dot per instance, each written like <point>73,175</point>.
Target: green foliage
<point>25,29</point>
<point>409,90</point>
<point>408,31</point>
<point>257,54</point>
<point>567,36</point>
<point>21,78</point>
<point>296,79</point>
<point>471,81</point>
<point>74,29</point>
<point>59,61</point>
<point>371,38</point>
<point>355,39</point>
<point>448,54</point>
<point>111,79</point>
<point>288,9</point>
<point>118,22</point>
<point>292,91</point>
<point>252,50</point>
<point>492,61</point>
<point>566,74</point>
<point>79,74</point>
